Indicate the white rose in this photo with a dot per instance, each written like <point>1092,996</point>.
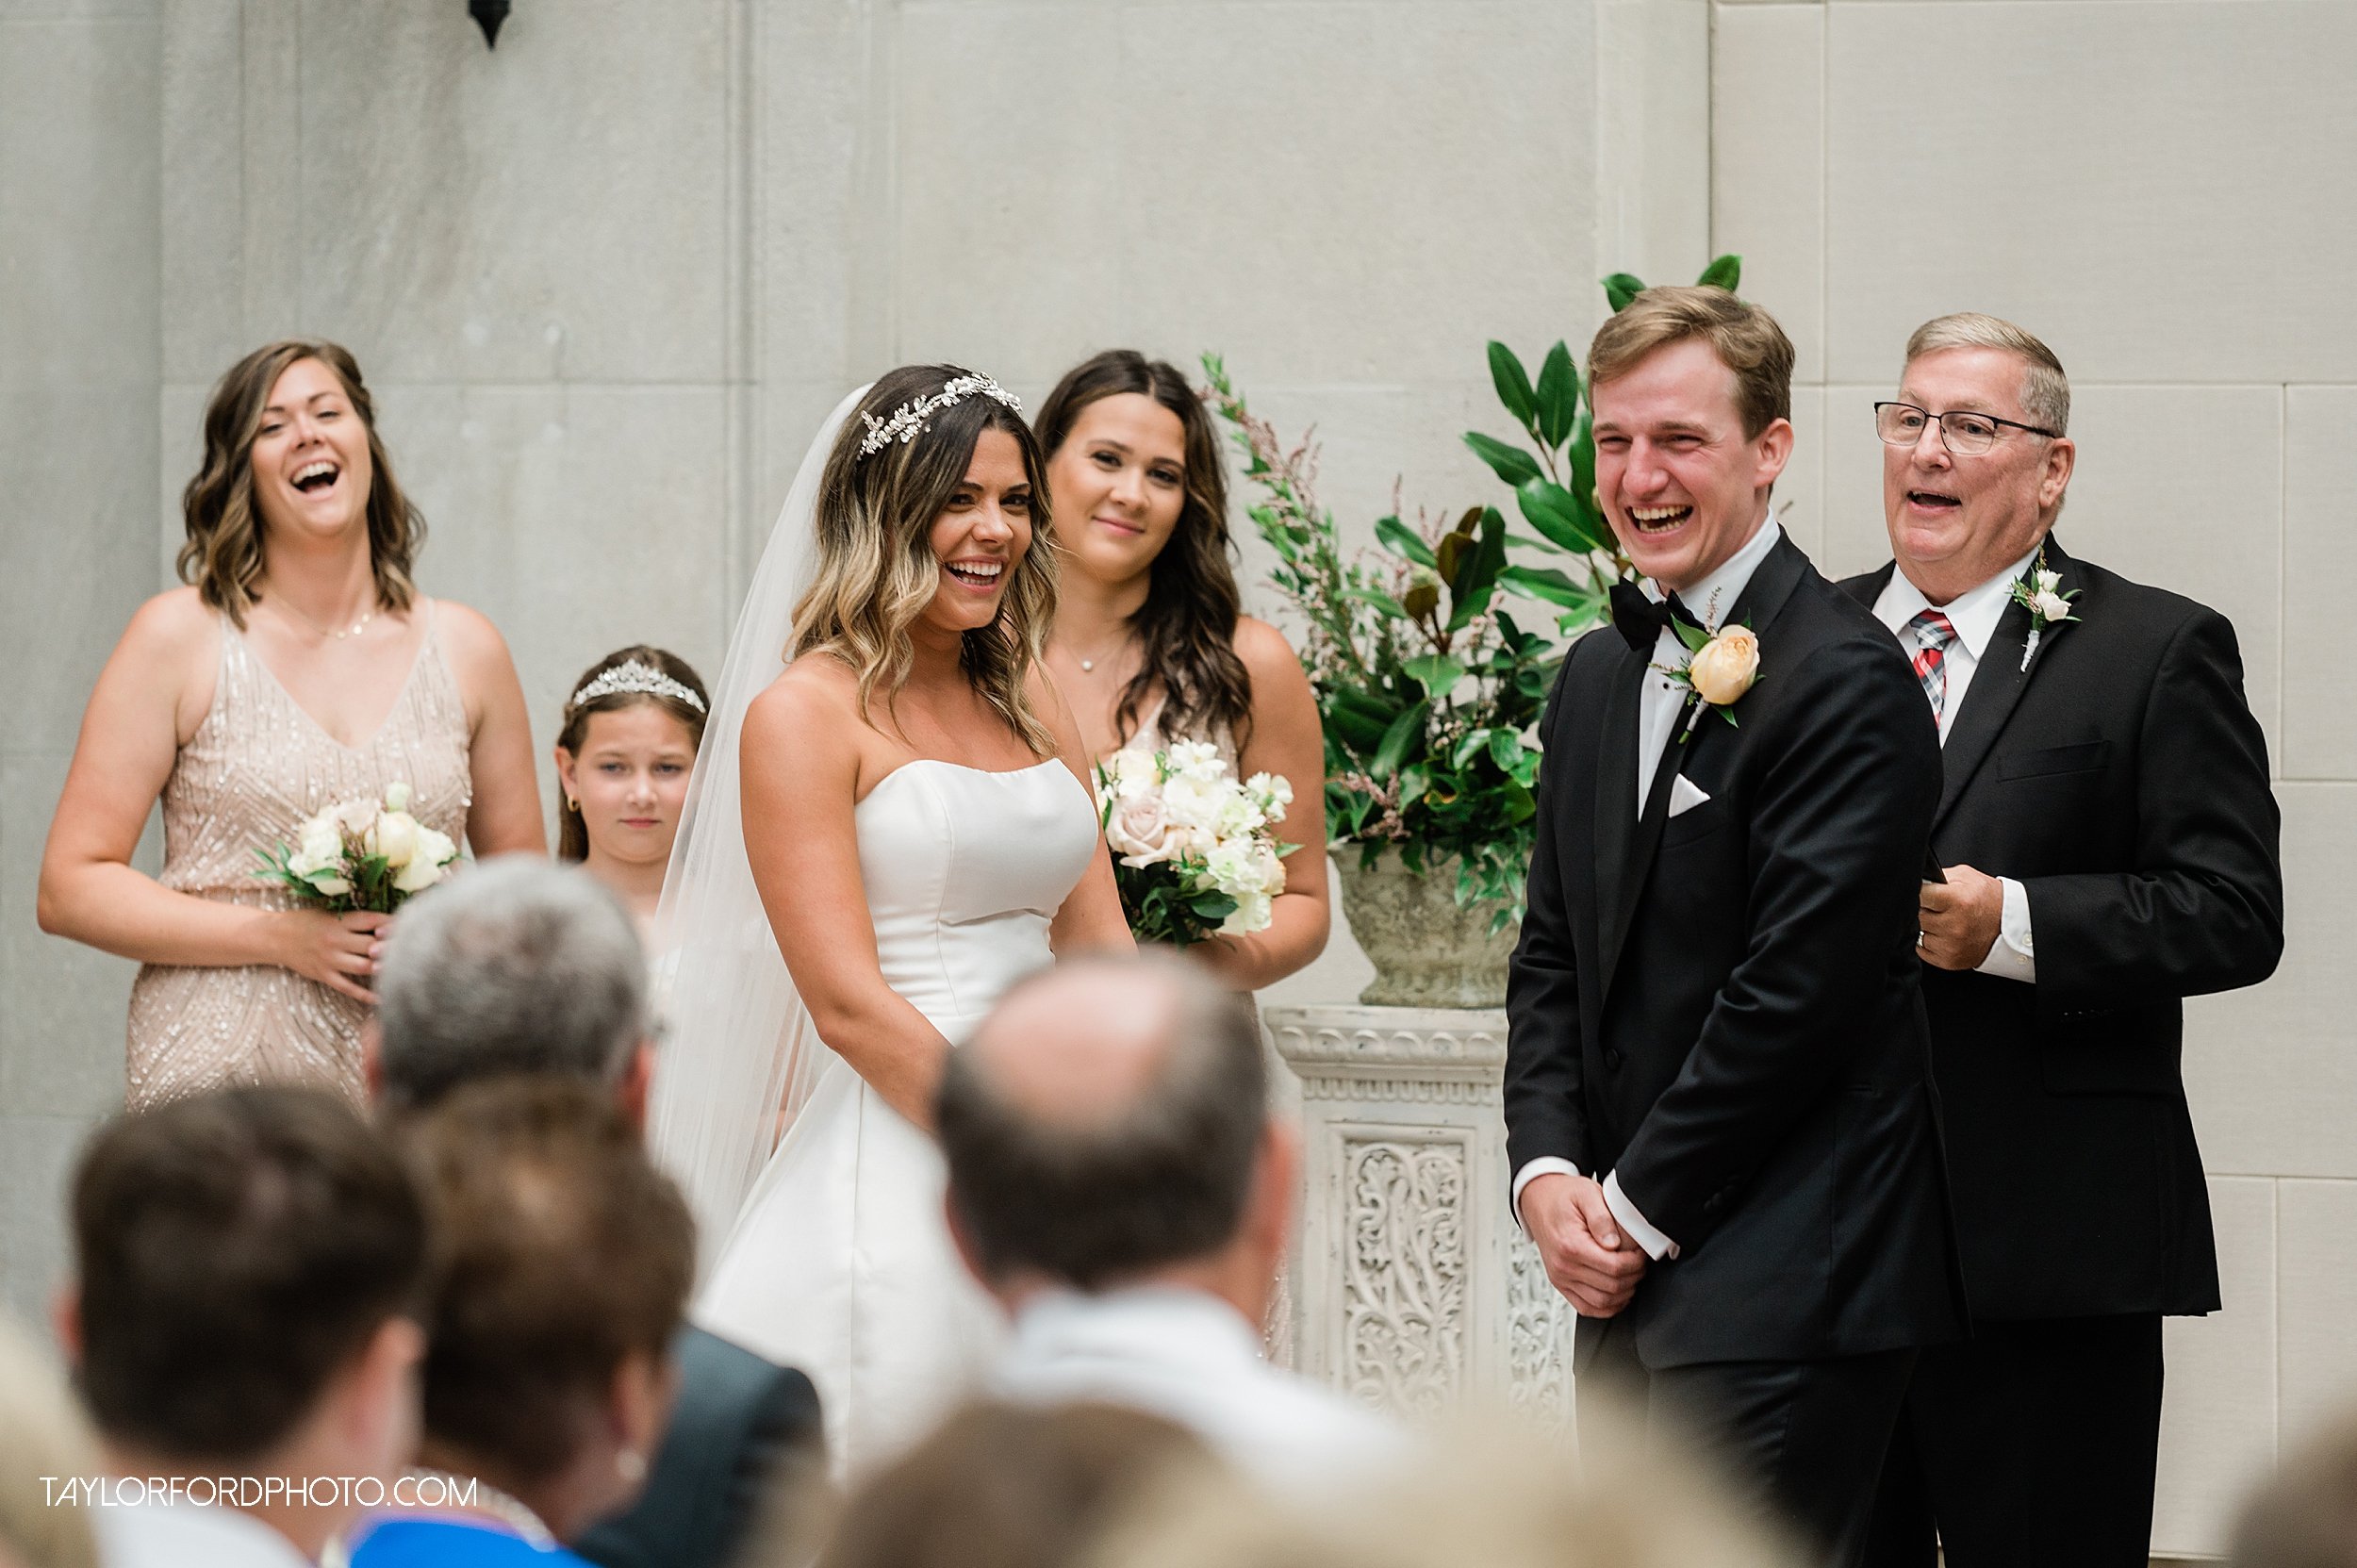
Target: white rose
<point>394,836</point>
<point>2050,607</point>
<point>1129,773</point>
<point>1240,817</point>
<point>355,818</point>
<point>1139,831</point>
<point>1240,868</point>
<point>2048,581</point>
<point>429,862</point>
<point>397,796</point>
<point>321,843</point>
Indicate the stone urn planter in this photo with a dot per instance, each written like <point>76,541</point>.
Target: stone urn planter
<point>1426,952</point>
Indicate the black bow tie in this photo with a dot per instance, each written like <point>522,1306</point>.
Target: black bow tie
<point>1639,621</point>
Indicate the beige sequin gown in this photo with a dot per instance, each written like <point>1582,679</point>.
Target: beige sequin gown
<point>256,769</point>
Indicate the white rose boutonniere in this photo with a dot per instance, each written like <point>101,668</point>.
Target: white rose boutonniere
<point>2040,593</point>
<point>1721,667</point>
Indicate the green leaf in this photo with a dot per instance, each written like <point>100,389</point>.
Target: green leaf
<point>1695,637</point>
<point>1726,273</point>
<point>1404,540</point>
<point>1473,745</point>
<point>1546,583</point>
<point>1509,463</point>
<point>1476,581</point>
<point>1559,396</point>
<point>1620,289</point>
<point>1532,541</point>
<point>1405,731</point>
<point>1436,672</point>
<point>1512,382</point>
<point>1520,805</point>
<point>1414,780</point>
<point>1552,510</point>
<point>1506,750</point>
<point>1582,453</point>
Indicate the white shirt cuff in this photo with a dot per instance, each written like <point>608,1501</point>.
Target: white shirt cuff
<point>1656,1246</point>
<point>2013,956</point>
<point>1547,1164</point>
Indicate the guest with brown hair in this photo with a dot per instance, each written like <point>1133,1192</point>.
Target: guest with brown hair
<point>562,1263</point>
<point>300,667</point>
<point>246,1263</point>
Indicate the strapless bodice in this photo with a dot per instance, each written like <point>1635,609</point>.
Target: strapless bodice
<point>964,869</point>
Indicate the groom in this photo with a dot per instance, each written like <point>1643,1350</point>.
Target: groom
<point>1718,1098</point>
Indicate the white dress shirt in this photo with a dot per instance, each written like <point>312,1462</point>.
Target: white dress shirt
<point>1660,702</point>
<point>1190,1358</point>
<point>189,1535</point>
<point>1974,614</point>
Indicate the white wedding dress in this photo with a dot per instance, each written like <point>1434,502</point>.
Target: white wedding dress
<point>840,1262</point>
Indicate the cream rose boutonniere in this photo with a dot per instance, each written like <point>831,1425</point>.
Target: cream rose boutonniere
<point>2040,593</point>
<point>1722,666</point>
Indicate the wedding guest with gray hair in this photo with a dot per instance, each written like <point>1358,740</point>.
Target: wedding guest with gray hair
<point>523,967</point>
<point>1116,1182</point>
<point>247,1266</point>
<point>2107,845</point>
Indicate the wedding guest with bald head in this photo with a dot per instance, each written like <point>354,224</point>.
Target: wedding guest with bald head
<point>2107,845</point>
<point>1116,1182</point>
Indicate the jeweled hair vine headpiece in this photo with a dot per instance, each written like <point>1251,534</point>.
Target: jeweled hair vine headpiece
<point>632,676</point>
<point>913,417</point>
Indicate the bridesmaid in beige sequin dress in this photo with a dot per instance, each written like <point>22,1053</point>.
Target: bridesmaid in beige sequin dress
<point>302,668</point>
<point>1150,645</point>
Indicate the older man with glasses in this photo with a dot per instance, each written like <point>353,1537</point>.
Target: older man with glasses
<point>2107,846</point>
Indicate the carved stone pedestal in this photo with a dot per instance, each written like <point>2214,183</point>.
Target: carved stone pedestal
<point>1414,1286</point>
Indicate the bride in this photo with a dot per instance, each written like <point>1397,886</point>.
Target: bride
<point>904,803</point>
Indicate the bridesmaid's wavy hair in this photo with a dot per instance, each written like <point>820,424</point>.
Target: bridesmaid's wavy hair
<point>1187,626</point>
<point>572,834</point>
<point>225,553</point>
<point>876,569</point>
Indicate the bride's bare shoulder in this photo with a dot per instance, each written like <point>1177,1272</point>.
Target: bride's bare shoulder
<point>814,700</point>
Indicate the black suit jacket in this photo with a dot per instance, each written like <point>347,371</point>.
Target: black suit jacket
<point>2123,782</point>
<point>1723,1006</point>
<point>740,1427</point>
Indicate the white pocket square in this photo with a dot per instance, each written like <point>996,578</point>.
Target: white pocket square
<point>1685,795</point>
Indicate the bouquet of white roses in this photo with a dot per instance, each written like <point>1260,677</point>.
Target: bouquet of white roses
<point>1193,854</point>
<point>361,855</point>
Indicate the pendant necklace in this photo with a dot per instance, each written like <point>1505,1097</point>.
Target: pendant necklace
<point>352,631</point>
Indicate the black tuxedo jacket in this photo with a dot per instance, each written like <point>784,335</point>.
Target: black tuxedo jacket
<point>2123,782</point>
<point>741,1429</point>
<point>1723,1006</point>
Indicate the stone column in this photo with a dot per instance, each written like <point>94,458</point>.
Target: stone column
<point>1414,1286</point>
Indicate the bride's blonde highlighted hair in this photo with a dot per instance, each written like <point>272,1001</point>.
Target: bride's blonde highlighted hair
<point>876,569</point>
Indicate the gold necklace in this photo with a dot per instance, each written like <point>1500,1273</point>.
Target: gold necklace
<point>353,631</point>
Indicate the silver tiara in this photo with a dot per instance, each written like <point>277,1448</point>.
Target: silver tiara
<point>911,419</point>
<point>630,675</point>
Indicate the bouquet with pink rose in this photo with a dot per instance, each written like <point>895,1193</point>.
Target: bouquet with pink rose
<point>361,855</point>
<point>1194,855</point>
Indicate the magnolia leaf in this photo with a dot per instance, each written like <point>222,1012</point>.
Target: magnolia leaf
<point>1475,583</point>
<point>1380,599</point>
<point>1451,556</point>
<point>1620,289</point>
<point>1726,272</point>
<point>1404,540</point>
<point>1405,731</point>
<point>1506,750</point>
<point>1552,510</point>
<point>1545,583</point>
<point>1559,396</point>
<point>1509,463</point>
<point>1514,384</point>
<point>1436,672</point>
<point>1422,601</point>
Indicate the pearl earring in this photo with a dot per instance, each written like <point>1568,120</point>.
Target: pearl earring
<point>631,1465</point>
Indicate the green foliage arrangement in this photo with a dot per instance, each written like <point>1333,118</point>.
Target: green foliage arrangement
<point>1429,685</point>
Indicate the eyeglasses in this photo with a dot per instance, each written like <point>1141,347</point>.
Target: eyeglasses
<point>1964,433</point>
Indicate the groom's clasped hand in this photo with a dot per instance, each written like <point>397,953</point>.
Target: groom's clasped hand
<point>1590,1259</point>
